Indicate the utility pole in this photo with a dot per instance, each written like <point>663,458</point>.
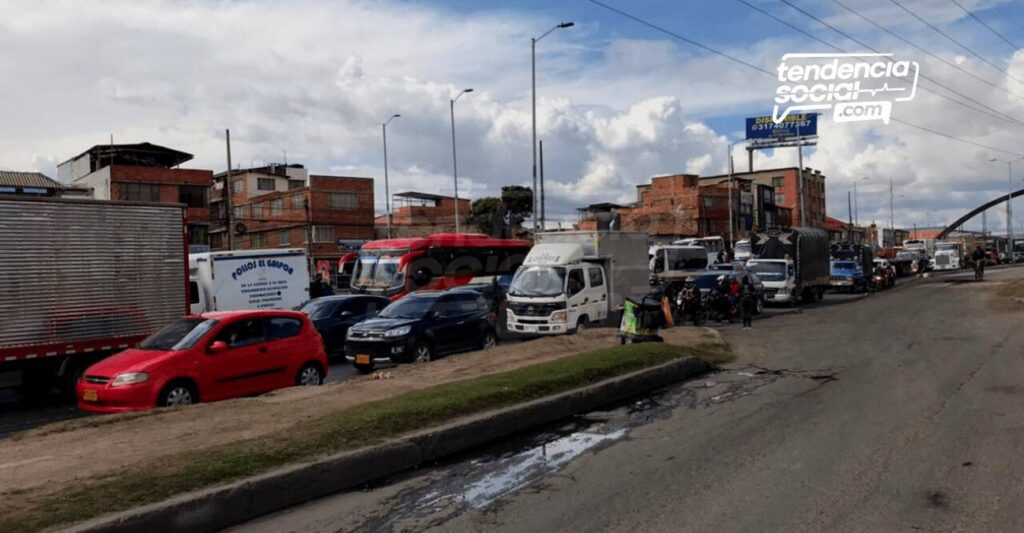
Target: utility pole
<point>542,216</point>
<point>533,84</point>
<point>892,224</point>
<point>800,176</point>
<point>732,234</point>
<point>849,207</point>
<point>228,193</point>
<point>387,193</point>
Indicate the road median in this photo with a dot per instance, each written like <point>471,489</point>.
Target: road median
<point>350,447</point>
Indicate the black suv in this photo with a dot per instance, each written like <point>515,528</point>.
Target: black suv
<point>420,327</point>
<point>333,315</point>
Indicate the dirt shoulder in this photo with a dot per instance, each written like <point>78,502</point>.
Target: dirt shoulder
<point>41,462</point>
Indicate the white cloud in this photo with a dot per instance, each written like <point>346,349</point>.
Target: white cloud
<point>316,79</point>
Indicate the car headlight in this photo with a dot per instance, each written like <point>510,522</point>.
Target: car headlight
<point>129,378</point>
<point>349,333</point>
<point>397,332</point>
<point>559,316</point>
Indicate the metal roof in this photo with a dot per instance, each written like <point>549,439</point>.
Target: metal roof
<point>422,196</point>
<point>35,180</point>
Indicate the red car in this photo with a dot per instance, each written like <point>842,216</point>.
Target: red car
<point>211,357</point>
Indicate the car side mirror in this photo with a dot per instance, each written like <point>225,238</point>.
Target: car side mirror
<point>217,347</point>
<point>435,315</point>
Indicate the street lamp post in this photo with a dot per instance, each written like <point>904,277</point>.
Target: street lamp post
<point>732,233</point>
<point>387,193</point>
<point>533,71</point>
<point>455,164</point>
<point>856,210</point>
<point>1009,199</point>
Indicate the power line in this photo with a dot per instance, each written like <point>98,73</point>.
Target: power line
<point>958,43</point>
<point>933,55</point>
<point>794,27</point>
<point>772,74</point>
<point>1003,13</point>
<point>997,114</point>
<point>983,23</point>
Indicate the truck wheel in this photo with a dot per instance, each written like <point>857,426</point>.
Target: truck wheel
<point>759,306</point>
<point>36,384</point>
<point>581,324</point>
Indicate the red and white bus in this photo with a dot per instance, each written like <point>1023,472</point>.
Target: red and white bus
<point>396,267</point>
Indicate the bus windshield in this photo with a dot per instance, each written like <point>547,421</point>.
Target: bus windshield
<point>377,272</point>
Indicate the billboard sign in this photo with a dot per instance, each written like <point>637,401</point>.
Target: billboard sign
<point>791,127</point>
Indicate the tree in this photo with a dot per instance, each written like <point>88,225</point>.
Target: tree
<point>482,213</point>
<point>518,200</point>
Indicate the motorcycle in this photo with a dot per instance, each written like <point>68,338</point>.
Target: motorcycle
<point>689,307</point>
<point>878,282</point>
<point>719,307</point>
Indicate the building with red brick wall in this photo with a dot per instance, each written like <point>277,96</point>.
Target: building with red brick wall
<point>282,206</point>
<point>427,213</point>
<point>786,189</point>
<point>144,172</point>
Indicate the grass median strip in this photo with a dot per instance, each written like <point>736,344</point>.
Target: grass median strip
<point>365,425</point>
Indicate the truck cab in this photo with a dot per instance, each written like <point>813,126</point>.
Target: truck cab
<point>556,291</point>
<point>779,278</point>
<point>847,274</point>
<point>674,261</point>
<point>948,256</point>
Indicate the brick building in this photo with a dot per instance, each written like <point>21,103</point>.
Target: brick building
<point>284,206</point>
<point>786,187</point>
<point>143,172</point>
<point>420,213</point>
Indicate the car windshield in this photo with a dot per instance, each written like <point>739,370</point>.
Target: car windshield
<point>378,271</point>
<point>319,308</point>
<point>844,265</point>
<point>538,281</point>
<point>742,248</point>
<point>708,281</point>
<point>769,271</point>
<point>408,307</point>
<point>179,335</point>
<point>951,247</point>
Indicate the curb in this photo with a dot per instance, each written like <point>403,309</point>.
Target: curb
<point>216,508</point>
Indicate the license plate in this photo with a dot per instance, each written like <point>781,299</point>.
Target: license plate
<point>362,359</point>
<point>90,395</point>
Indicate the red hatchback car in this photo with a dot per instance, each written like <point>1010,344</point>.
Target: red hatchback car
<point>210,357</point>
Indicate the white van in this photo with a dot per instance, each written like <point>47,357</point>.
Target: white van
<point>714,245</point>
<point>248,280</point>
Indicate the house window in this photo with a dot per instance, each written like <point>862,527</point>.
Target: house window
<point>323,234</point>
<point>237,212</point>
<point>259,240</point>
<point>236,186</point>
<point>276,205</point>
<point>284,237</point>
<point>344,200</point>
<point>194,195</point>
<point>265,184</point>
<point>296,184</point>
<point>709,201</point>
<point>138,192</point>
<point>780,198</point>
<point>298,202</point>
<point>257,210</point>
<point>778,182</point>
<point>198,234</point>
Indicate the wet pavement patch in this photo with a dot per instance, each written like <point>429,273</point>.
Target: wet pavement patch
<point>478,480</point>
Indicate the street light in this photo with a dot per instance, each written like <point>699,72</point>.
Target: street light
<point>533,70</point>
<point>387,193</point>
<point>1009,197</point>
<point>455,165</point>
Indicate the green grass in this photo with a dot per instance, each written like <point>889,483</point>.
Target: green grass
<point>1013,289</point>
<point>365,425</point>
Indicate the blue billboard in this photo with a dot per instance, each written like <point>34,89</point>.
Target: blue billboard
<point>797,125</point>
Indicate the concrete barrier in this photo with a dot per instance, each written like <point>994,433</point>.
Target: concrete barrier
<point>240,501</point>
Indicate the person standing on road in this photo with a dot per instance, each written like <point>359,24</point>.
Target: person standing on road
<point>747,303</point>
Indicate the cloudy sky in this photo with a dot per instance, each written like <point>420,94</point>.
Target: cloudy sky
<point>618,101</point>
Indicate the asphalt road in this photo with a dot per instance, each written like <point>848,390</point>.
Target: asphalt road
<point>902,411</point>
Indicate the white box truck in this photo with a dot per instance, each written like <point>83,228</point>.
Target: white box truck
<point>570,279</point>
<point>248,279</point>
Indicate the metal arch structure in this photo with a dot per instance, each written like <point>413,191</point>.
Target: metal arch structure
<point>974,212</point>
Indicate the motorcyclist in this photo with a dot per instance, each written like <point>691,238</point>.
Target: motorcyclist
<point>978,259</point>
<point>689,300</point>
<point>721,300</point>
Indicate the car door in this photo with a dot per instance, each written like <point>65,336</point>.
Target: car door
<point>577,297</point>
<point>447,324</point>
<point>237,370</point>
<point>474,313</point>
<point>286,350</point>
<point>598,304</point>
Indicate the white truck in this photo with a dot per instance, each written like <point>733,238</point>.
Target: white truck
<point>948,256</point>
<point>570,279</point>
<point>248,279</point>
<point>677,259</point>
<point>741,252</point>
